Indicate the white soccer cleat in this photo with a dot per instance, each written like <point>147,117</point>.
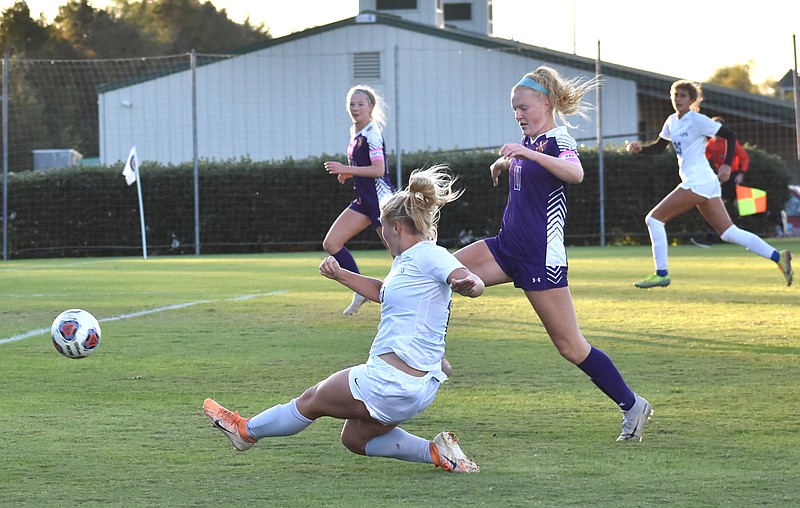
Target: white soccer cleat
<point>356,304</point>
<point>785,266</point>
<point>634,419</point>
<point>447,454</point>
<point>447,368</point>
<point>230,424</point>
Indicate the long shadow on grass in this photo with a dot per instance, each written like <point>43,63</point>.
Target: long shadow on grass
<point>675,341</point>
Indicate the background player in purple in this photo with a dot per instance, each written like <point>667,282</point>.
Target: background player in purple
<point>367,166</point>
<point>529,249</point>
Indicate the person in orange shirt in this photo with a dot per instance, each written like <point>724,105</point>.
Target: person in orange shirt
<point>715,153</point>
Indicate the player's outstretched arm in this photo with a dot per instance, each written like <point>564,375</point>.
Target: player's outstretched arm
<point>368,287</point>
<point>653,148</point>
<point>466,283</point>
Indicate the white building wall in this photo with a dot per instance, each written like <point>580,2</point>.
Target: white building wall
<point>620,111</point>
<point>154,116</point>
<point>288,100</point>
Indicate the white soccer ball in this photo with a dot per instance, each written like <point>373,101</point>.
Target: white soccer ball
<point>75,333</point>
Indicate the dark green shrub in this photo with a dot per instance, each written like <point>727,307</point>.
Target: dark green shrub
<point>250,206</point>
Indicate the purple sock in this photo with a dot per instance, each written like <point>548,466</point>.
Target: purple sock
<point>346,260</point>
<point>603,373</point>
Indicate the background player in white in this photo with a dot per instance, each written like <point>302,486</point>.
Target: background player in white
<point>688,130</point>
<point>403,373</point>
<point>529,249</point>
<point>367,166</point>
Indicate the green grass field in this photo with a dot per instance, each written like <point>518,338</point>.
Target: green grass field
<point>716,353</point>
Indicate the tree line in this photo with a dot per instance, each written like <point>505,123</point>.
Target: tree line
<point>56,68</point>
<point>125,29</point>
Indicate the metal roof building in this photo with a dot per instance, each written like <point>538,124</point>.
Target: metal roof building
<point>446,89</point>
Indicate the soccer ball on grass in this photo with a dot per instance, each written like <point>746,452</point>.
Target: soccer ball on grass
<point>75,333</point>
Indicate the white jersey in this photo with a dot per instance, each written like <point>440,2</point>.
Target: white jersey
<point>688,136</point>
<point>415,306</point>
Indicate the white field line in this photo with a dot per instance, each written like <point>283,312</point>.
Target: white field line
<point>54,266</point>
<point>42,331</point>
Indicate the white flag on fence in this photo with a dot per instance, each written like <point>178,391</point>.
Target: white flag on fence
<point>131,167</point>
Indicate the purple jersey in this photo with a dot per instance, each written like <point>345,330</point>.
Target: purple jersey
<point>366,146</point>
<point>533,222</point>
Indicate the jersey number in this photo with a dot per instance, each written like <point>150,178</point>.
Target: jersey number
<point>517,177</point>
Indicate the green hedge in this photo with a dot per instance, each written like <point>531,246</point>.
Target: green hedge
<point>250,206</point>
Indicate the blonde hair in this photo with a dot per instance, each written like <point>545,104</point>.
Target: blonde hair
<point>417,206</point>
<point>565,95</point>
<point>378,106</point>
<point>694,90</point>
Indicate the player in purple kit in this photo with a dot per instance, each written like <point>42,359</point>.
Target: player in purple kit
<point>529,249</point>
<point>367,166</point>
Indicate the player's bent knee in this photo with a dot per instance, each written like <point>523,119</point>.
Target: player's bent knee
<point>306,404</point>
<point>331,247</point>
<point>651,221</point>
<point>572,351</point>
<point>353,442</point>
<point>566,351</point>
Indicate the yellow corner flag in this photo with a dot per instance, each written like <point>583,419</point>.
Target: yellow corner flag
<point>751,200</point>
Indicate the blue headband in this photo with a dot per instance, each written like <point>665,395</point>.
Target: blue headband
<point>530,83</point>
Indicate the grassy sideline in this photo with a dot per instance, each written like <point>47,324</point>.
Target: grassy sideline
<point>716,353</point>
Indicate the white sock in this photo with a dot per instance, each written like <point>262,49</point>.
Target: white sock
<point>748,240</point>
<point>658,238</point>
<point>281,420</point>
<point>399,444</point>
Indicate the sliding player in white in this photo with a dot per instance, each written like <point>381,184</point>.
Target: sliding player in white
<point>403,373</point>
